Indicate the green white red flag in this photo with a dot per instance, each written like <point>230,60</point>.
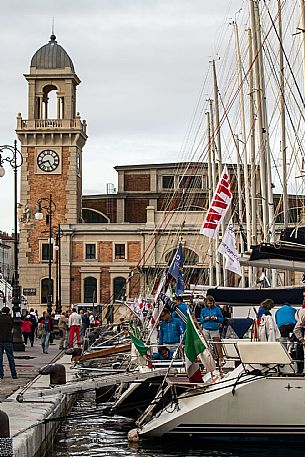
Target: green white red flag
<point>196,348</point>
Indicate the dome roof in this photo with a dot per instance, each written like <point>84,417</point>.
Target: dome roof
<point>51,56</point>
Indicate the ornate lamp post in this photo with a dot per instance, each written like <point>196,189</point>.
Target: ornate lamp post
<point>58,308</point>
<point>15,160</point>
<point>50,207</point>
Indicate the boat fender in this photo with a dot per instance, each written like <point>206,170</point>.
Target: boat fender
<point>133,435</point>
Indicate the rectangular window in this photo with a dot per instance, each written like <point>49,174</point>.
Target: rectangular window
<point>119,251</point>
<point>90,251</point>
<point>45,252</point>
<point>168,182</point>
<point>190,182</point>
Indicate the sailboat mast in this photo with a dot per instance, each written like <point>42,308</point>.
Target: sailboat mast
<point>240,207</point>
<point>283,115</point>
<point>219,165</point>
<point>252,151</point>
<point>246,189</point>
<point>260,125</point>
<point>214,178</point>
<point>210,187</point>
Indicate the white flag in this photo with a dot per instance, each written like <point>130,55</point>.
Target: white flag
<point>219,206</point>
<point>228,249</point>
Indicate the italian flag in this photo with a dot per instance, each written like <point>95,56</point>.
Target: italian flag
<point>196,347</point>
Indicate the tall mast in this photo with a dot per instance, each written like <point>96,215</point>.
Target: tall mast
<point>210,187</point>
<point>270,229</point>
<point>219,165</point>
<point>260,125</point>
<point>240,207</point>
<point>282,111</point>
<point>252,151</point>
<point>283,127</point>
<point>246,190</point>
<point>214,178</point>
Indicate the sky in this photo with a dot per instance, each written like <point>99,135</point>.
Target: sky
<point>141,62</point>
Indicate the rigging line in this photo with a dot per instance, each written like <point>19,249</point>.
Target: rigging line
<point>167,216</point>
<point>285,55</point>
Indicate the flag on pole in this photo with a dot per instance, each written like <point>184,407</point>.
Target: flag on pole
<point>228,249</point>
<point>196,347</point>
<point>139,344</point>
<point>219,206</point>
<point>176,263</point>
<point>176,270</point>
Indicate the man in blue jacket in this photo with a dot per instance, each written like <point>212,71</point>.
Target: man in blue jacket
<point>171,329</point>
<point>285,319</point>
<point>210,318</point>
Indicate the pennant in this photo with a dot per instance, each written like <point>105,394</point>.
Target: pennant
<point>176,263</point>
<point>228,249</point>
<point>196,347</point>
<point>219,206</point>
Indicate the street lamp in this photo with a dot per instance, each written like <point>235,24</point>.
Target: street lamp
<point>58,308</point>
<point>50,207</point>
<point>15,160</point>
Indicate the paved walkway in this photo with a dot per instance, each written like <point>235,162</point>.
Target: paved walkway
<point>27,365</point>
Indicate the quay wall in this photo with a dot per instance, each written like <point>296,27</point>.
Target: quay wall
<point>34,422</point>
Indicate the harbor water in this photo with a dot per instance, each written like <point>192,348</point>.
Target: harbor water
<point>91,431</point>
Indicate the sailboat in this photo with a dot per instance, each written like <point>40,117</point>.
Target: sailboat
<point>260,398</point>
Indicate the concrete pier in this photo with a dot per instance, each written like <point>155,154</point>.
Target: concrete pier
<point>33,422</point>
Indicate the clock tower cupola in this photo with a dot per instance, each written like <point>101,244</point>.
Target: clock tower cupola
<point>52,138</point>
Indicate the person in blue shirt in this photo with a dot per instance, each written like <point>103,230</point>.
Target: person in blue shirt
<point>285,319</point>
<point>183,308</point>
<point>163,353</point>
<point>171,330</point>
<point>211,318</point>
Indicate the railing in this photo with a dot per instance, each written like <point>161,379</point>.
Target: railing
<point>42,124</point>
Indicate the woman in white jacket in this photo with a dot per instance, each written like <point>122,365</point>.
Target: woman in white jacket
<point>268,330</point>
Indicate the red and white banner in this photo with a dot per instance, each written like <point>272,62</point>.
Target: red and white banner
<point>219,206</point>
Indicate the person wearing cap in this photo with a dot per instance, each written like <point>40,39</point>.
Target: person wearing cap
<point>6,341</point>
<point>171,330</point>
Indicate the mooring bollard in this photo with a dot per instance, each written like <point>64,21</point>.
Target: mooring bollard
<point>57,373</point>
<point>6,443</point>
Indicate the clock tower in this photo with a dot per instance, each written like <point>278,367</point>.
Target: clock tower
<point>52,138</point>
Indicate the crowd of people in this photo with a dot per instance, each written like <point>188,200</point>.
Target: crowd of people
<point>285,325</point>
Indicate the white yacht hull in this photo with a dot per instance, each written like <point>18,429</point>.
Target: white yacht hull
<point>261,409</point>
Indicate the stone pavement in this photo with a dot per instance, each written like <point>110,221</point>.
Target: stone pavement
<point>27,365</point>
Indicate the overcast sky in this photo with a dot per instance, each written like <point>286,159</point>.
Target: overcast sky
<point>142,65</point>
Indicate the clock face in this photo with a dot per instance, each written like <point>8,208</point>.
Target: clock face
<point>48,160</point>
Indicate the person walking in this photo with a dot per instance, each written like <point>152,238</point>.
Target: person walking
<point>75,322</point>
<point>44,330</point>
<point>26,329</point>
<point>34,321</point>
<point>62,325</point>
<point>6,341</point>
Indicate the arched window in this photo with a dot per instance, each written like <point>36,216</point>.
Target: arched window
<point>93,217</point>
<point>90,290</point>
<point>50,106</point>
<point>119,288</point>
<point>189,257</point>
<point>45,290</point>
